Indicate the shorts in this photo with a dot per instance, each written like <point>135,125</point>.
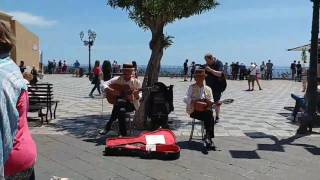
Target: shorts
<point>185,71</point>
<point>216,96</point>
<point>251,78</point>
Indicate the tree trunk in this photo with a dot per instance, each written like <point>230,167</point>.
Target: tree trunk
<point>151,75</point>
<point>312,76</point>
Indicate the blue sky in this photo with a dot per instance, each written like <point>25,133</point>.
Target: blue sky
<point>245,31</point>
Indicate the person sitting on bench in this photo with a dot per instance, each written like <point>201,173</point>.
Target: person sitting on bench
<point>122,104</point>
<point>198,95</point>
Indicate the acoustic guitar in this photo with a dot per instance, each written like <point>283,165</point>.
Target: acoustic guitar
<point>124,91</point>
<point>200,105</point>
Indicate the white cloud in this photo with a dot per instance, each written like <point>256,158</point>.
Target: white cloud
<point>30,19</point>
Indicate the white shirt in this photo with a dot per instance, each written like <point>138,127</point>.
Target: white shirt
<point>253,70</point>
<point>187,99</point>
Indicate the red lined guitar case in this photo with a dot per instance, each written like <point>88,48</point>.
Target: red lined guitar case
<point>159,144</point>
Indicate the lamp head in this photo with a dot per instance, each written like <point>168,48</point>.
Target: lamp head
<point>81,35</point>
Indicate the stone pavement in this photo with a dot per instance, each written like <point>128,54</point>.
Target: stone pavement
<point>254,138</point>
<point>257,111</point>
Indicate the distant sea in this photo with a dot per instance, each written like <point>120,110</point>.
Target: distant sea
<point>169,70</point>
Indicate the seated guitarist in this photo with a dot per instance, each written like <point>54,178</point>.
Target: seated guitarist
<point>200,92</point>
<point>122,104</point>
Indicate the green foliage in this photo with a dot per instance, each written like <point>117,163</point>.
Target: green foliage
<point>150,13</point>
<point>304,55</point>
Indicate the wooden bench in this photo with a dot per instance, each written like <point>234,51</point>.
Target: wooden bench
<point>41,97</point>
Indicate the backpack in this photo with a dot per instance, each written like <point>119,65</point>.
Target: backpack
<point>161,99</point>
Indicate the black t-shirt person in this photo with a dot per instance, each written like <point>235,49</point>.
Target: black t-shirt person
<point>185,67</point>
<point>293,67</point>
<point>213,81</point>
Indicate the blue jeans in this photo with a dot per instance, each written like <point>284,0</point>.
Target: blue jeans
<point>300,103</point>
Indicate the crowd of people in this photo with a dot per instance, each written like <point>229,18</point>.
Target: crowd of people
<point>235,71</point>
<point>299,73</point>
<point>54,68</point>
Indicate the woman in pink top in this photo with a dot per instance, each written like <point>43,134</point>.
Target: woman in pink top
<point>96,78</point>
<point>17,148</point>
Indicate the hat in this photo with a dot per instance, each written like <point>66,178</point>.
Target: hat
<point>127,67</point>
<point>28,76</point>
<point>200,72</point>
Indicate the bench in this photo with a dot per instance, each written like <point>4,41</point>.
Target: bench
<point>41,97</point>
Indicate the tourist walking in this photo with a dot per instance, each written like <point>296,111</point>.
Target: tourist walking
<point>18,152</point>
<point>50,67</point>
<point>192,70</point>
<point>96,78</point>
<point>59,67</point>
<point>258,75</point>
<point>64,67</point>
<point>263,68</point>
<point>215,80</point>
<point>269,70</point>
<point>22,67</point>
<point>236,70</point>
<point>304,75</point>
<point>293,70</point>
<point>54,66</point>
<point>225,70</point>
<point>106,70</point>
<point>299,71</point>
<point>243,71</point>
<point>233,70</point>
<point>185,70</point>
<point>34,73</point>
<point>252,77</point>
<point>76,66</point>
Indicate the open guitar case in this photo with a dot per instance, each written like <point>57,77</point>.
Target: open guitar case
<point>159,144</point>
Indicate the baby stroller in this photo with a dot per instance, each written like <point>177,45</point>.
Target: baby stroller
<point>160,104</point>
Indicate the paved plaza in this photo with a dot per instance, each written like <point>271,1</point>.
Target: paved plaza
<point>257,111</point>
<point>254,139</point>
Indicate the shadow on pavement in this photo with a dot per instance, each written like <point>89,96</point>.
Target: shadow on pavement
<point>84,127</point>
<point>244,154</point>
<point>277,146</point>
<point>191,145</point>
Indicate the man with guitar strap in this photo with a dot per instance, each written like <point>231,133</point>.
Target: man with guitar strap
<point>123,92</point>
<point>216,80</point>
<point>199,102</point>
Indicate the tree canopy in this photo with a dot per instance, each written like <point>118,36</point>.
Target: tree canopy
<point>150,13</point>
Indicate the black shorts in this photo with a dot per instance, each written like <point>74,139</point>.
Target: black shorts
<point>185,71</point>
<point>216,96</point>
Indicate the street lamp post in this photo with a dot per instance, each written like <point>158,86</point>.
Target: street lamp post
<point>89,42</point>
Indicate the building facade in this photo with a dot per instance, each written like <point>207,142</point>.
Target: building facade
<point>27,43</point>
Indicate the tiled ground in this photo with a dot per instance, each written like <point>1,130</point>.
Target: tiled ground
<point>251,112</point>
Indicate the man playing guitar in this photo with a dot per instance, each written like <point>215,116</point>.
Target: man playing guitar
<point>199,100</point>
<point>124,102</point>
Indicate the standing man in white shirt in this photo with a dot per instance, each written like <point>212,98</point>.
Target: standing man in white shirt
<point>252,76</point>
